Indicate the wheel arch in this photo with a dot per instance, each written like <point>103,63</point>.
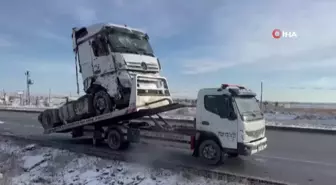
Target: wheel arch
<point>205,135</point>
<point>95,88</point>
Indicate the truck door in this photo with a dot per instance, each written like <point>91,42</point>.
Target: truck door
<point>214,119</point>
<point>101,59</point>
<point>85,58</point>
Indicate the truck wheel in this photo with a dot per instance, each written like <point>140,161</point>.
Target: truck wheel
<point>102,103</point>
<point>210,152</point>
<point>114,140</point>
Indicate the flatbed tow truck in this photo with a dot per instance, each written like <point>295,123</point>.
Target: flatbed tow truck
<point>228,121</point>
<point>122,85</point>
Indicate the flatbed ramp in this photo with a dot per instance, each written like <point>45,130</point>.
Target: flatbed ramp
<point>114,117</point>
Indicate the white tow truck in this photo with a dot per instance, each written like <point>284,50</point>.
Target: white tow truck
<point>228,121</point>
<point>124,91</point>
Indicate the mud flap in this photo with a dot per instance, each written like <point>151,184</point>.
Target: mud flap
<point>133,135</point>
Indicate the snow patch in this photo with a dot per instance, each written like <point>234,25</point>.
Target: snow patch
<point>32,161</point>
<point>42,166</point>
<point>8,147</point>
<point>1,122</point>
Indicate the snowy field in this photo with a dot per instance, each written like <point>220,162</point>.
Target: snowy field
<point>22,164</point>
<point>276,118</point>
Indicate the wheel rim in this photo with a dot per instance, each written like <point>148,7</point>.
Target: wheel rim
<point>114,141</point>
<point>209,152</point>
<point>100,105</point>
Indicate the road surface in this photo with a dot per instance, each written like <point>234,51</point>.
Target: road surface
<point>300,158</point>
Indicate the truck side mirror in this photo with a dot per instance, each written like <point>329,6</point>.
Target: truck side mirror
<point>232,116</point>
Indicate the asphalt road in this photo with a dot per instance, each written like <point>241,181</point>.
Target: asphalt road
<point>300,158</point>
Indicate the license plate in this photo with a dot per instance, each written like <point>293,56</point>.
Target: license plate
<point>261,147</point>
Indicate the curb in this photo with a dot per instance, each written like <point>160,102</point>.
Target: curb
<point>19,109</point>
<point>115,155</point>
<point>301,129</point>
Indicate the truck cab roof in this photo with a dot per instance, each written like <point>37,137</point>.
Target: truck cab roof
<point>226,89</point>
<point>81,34</point>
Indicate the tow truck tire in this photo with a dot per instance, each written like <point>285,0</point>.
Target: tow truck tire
<point>102,103</point>
<point>114,140</point>
<point>210,152</point>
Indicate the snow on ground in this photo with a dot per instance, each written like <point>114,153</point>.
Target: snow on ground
<point>22,164</point>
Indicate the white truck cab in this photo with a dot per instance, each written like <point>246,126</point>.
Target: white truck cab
<point>228,120</point>
<point>112,59</point>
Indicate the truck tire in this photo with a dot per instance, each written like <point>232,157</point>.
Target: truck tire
<point>102,103</point>
<point>115,139</point>
<point>210,152</point>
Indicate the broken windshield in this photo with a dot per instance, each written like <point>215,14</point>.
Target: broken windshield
<point>130,42</point>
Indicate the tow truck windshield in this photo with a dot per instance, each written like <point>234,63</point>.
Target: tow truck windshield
<point>125,41</point>
<point>248,108</point>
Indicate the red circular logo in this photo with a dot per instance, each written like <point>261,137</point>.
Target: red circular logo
<point>276,33</point>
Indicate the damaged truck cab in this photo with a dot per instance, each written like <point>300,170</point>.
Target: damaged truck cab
<point>109,57</point>
<point>119,70</point>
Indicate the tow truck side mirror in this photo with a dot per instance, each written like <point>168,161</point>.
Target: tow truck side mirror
<point>232,116</point>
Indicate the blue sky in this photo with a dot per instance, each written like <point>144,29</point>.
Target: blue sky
<point>200,43</point>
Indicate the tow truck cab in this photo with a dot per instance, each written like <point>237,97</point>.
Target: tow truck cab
<point>230,118</point>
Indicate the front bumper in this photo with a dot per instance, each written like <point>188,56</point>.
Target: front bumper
<point>252,147</point>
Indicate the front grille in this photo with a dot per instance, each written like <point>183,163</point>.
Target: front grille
<point>255,133</point>
<point>137,66</point>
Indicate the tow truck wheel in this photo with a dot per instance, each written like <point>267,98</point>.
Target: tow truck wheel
<point>102,103</point>
<point>114,140</point>
<point>210,152</point>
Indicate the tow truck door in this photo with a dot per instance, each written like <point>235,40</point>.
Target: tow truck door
<point>214,119</point>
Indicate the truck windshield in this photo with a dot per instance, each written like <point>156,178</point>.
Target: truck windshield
<point>249,108</point>
<point>129,42</point>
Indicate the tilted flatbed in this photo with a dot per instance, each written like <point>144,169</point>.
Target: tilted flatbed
<point>115,117</point>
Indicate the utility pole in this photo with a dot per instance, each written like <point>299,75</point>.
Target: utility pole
<point>4,95</point>
<point>261,95</point>
<point>29,82</point>
<point>49,95</point>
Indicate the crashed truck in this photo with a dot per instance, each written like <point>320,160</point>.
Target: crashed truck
<point>125,94</point>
